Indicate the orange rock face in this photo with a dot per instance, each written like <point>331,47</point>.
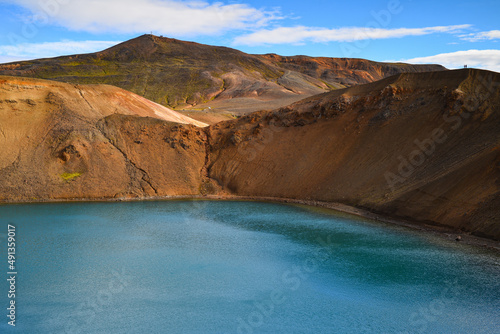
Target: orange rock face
<point>61,141</point>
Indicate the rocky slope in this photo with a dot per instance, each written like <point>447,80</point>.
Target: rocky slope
<point>61,141</point>
<point>177,74</point>
<point>419,146</point>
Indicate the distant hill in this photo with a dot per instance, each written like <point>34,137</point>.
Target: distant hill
<point>178,74</point>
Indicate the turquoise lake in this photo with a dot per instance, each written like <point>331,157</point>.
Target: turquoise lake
<point>237,267</point>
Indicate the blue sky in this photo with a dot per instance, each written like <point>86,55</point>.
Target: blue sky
<point>452,33</point>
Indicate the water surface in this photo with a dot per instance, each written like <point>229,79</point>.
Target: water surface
<point>238,267</point>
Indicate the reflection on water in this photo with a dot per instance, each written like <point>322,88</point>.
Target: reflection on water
<point>239,267</point>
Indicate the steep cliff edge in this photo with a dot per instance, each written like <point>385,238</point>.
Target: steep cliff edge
<point>419,146</point>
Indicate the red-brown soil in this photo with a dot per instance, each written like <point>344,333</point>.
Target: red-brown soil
<point>61,141</point>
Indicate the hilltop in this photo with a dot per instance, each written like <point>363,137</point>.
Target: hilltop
<point>181,74</point>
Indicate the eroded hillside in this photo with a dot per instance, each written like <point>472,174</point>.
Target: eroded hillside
<point>419,146</point>
<point>60,141</point>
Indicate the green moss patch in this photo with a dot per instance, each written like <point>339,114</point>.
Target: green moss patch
<point>70,176</point>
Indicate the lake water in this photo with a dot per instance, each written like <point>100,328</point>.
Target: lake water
<point>237,267</point>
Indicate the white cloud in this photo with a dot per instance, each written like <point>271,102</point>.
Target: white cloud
<point>482,36</point>
<point>485,59</point>
<point>169,17</point>
<point>9,59</point>
<point>51,49</point>
<point>302,34</point>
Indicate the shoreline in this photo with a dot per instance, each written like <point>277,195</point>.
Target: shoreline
<point>441,231</point>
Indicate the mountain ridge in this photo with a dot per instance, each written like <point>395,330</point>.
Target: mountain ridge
<point>178,74</point>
